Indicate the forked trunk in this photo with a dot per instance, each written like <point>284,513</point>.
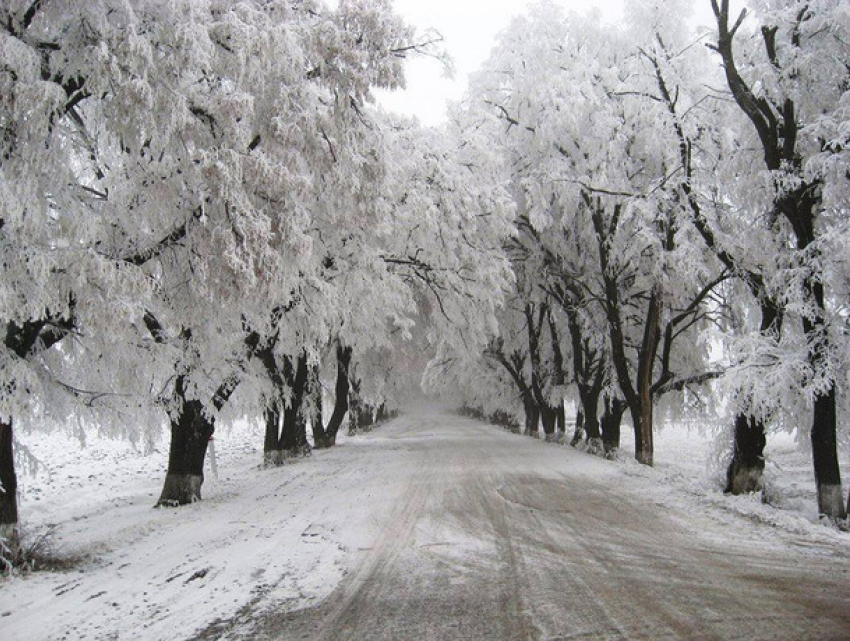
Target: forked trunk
<point>590,405</point>
<point>190,437</point>
<point>359,411</point>
<point>578,432</point>
<point>271,452</point>
<point>612,419</point>
<point>343,360</point>
<point>532,415</point>
<point>9,490</point>
<point>745,470</point>
<point>320,437</point>
<point>293,437</point>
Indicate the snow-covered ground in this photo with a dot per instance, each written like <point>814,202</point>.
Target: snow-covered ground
<point>283,538</point>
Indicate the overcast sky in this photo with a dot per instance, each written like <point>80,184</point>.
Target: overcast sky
<point>469,28</point>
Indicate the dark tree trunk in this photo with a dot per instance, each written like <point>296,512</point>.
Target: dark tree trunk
<point>560,375</point>
<point>825,456</point>
<point>9,491</point>
<point>561,422</point>
<point>612,418</point>
<point>578,432</point>
<point>190,437</point>
<point>367,416</point>
<point>637,394</point>
<point>549,418</point>
<point>293,437</point>
<point>590,410</point>
<point>642,412</point>
<point>514,365</point>
<point>25,340</point>
<point>343,361</point>
<point>825,418</point>
<point>381,413</point>
<point>320,438</point>
<point>745,471</point>
<point>532,415</point>
<point>360,412</point>
<point>547,412</point>
<point>747,465</point>
<point>271,452</point>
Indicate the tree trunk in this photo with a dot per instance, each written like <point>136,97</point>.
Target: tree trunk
<point>560,375</point>
<point>320,438</point>
<point>745,471</point>
<point>642,411</point>
<point>190,437</point>
<point>360,412</point>
<point>590,409</point>
<point>271,451</point>
<point>354,408</point>
<point>539,378</point>
<point>825,456</point>
<point>825,419</point>
<point>612,418</point>
<point>747,465</point>
<point>343,361</point>
<point>367,416</point>
<point>9,490</point>
<point>549,416</point>
<point>578,432</point>
<point>293,437</point>
<point>532,415</point>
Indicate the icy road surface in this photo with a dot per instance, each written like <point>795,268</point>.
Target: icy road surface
<point>475,533</point>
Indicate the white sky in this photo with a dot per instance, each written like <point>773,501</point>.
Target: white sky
<point>469,28</point>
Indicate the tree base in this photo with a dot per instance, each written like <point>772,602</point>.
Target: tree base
<point>276,458</point>
<point>612,453</point>
<point>744,479</point>
<point>644,457</point>
<point>10,537</point>
<point>831,502</point>
<point>272,458</point>
<point>595,446</point>
<point>180,489</point>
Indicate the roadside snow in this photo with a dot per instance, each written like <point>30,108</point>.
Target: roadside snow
<point>163,573</point>
<point>689,474</point>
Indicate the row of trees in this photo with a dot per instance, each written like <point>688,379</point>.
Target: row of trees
<point>203,218</point>
<point>682,222</point>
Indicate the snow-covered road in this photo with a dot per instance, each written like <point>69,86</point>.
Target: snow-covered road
<point>431,527</point>
<point>481,534</point>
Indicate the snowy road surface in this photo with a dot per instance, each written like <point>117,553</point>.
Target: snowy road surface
<point>430,527</point>
<point>481,534</point>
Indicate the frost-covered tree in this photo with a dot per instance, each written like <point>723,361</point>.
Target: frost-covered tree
<point>788,77</point>
<point>592,166</point>
<point>167,168</point>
